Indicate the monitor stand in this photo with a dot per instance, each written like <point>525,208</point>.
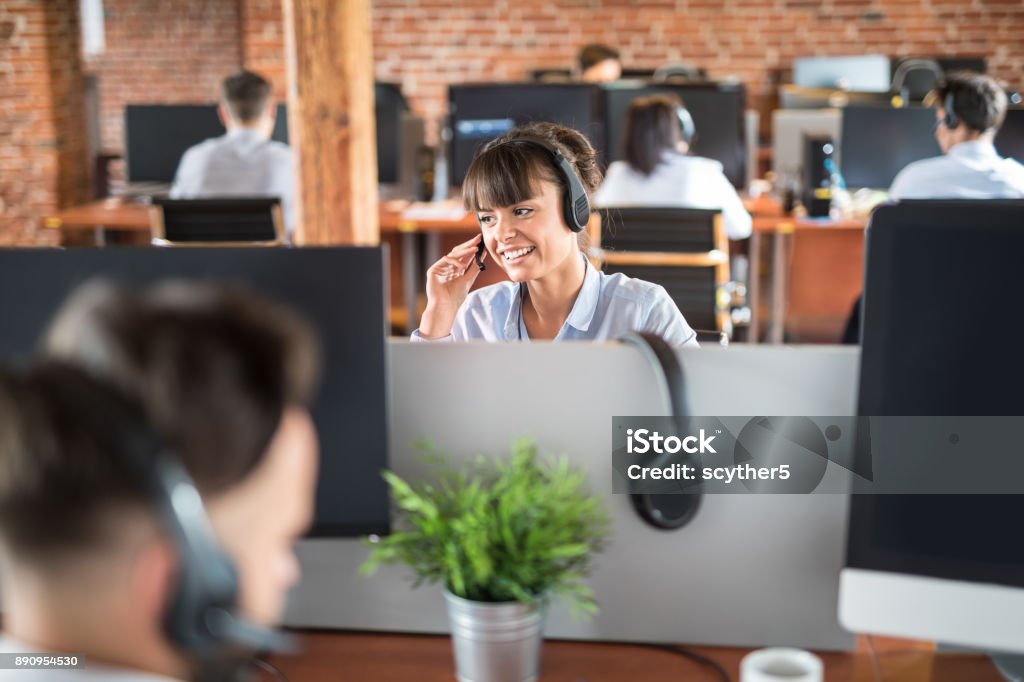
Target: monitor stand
<point>1010,665</point>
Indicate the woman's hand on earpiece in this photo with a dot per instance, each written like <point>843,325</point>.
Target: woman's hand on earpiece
<point>448,283</point>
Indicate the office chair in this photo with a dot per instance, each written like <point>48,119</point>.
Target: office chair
<point>217,222</point>
<point>915,78</point>
<point>684,250</point>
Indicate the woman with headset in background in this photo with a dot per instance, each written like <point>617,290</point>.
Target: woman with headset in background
<point>658,171</point>
<point>530,191</point>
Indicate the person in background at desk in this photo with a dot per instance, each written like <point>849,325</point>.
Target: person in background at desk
<point>599,64</point>
<point>969,110</point>
<point>244,162</point>
<point>530,191</point>
<point>137,393</point>
<point>659,172</point>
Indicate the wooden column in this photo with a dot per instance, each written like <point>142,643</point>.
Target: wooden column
<point>331,121</point>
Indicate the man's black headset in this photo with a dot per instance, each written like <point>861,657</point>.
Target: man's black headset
<point>575,202</point>
<point>950,119</point>
<point>202,618</point>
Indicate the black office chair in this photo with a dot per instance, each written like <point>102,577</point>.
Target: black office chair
<point>214,222</point>
<point>684,250</point>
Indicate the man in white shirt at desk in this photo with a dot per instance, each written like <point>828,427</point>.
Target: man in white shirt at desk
<point>969,109</point>
<point>244,162</point>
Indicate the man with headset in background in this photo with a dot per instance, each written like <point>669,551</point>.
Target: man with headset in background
<point>599,63</point>
<point>107,551</point>
<point>969,110</point>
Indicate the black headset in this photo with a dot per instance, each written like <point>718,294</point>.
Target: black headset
<point>687,128</point>
<point>575,202</point>
<point>201,619</point>
<point>950,120</point>
<point>666,511</point>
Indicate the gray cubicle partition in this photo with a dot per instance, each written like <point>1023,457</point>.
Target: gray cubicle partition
<point>749,570</point>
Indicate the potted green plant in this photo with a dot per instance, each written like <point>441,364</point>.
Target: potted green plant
<point>503,536</point>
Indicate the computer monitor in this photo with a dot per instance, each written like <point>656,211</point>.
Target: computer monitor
<point>789,129</point>
<point>157,135</point>
<point>718,111</point>
<point>937,341</point>
<point>876,143</point>
<point>481,112</point>
<point>866,73</point>
<point>390,107</point>
<point>948,64</point>
<point>1010,138</point>
<point>340,290</point>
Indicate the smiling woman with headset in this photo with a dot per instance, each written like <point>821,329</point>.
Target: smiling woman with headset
<point>659,171</point>
<point>530,191</point>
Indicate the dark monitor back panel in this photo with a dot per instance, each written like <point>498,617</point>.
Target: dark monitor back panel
<point>340,290</point>
<point>1010,138</point>
<point>157,135</point>
<point>718,115</point>
<point>938,341</point>
<point>481,112</point>
<point>948,64</point>
<point>877,142</point>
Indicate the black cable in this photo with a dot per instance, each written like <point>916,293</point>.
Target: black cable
<point>266,667</point>
<point>707,662</point>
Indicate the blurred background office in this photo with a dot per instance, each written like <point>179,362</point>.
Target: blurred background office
<point>815,106</point>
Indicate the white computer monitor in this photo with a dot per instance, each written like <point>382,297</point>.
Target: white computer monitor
<point>948,568</point>
<point>789,129</point>
<point>857,73</point>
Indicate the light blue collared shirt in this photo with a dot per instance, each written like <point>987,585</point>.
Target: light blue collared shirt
<point>969,170</point>
<point>240,163</point>
<point>607,307</point>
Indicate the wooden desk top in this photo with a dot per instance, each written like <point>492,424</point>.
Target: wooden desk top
<point>428,658</point>
<point>129,216</point>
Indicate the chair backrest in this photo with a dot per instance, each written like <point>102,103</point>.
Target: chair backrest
<point>684,250</point>
<point>205,222</point>
<point>661,229</point>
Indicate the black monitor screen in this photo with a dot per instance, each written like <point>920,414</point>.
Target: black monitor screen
<point>929,348</point>
<point>1010,138</point>
<point>877,142</point>
<point>350,407</point>
<point>157,135</point>
<point>717,112</point>
<point>479,113</point>
<point>389,107</point>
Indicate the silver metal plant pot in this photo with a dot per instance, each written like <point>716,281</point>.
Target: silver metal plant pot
<point>495,642</point>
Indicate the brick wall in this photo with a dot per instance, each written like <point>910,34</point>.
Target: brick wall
<point>43,157</point>
<point>427,44</point>
<point>162,52</point>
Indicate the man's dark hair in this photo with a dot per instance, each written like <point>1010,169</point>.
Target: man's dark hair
<point>246,95</point>
<point>652,127</point>
<point>978,100</point>
<point>595,53</point>
<point>211,370</point>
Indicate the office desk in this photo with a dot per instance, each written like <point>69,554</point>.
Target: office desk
<point>840,242</point>
<point>420,239</point>
<point>428,658</point>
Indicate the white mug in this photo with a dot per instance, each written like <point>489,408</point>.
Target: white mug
<point>781,665</point>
